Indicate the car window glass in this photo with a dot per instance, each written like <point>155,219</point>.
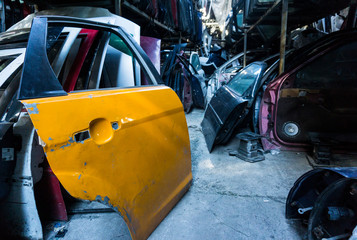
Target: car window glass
<point>93,59</point>
<point>9,104</point>
<point>335,69</point>
<point>119,65</point>
<point>86,59</point>
<point>240,19</point>
<point>235,63</point>
<point>4,62</point>
<point>117,43</point>
<point>196,62</point>
<point>245,78</point>
<point>56,38</point>
<point>75,69</point>
<point>230,65</point>
<point>71,56</point>
<point>9,66</point>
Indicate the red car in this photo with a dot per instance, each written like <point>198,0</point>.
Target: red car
<point>315,101</point>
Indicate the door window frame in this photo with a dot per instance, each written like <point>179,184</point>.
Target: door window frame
<point>10,69</point>
<point>47,83</point>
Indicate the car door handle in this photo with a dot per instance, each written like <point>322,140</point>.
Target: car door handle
<point>100,131</point>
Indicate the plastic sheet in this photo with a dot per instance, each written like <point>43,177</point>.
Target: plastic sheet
<point>152,48</point>
<point>221,9</point>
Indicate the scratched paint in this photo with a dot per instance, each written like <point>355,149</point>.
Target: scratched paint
<point>126,120</point>
<point>32,108</point>
<point>115,125</point>
<point>127,215</point>
<point>67,145</point>
<point>172,177</point>
<point>105,201</point>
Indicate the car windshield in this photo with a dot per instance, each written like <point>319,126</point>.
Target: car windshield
<point>196,62</point>
<point>245,78</point>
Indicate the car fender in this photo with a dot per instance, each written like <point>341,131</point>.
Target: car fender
<point>307,188</point>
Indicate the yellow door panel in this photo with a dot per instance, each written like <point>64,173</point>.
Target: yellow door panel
<point>128,148</point>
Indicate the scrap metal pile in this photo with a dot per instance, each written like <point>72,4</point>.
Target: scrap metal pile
<point>309,106</point>
<point>127,143</point>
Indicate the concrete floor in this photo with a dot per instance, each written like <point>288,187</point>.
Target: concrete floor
<point>229,199</point>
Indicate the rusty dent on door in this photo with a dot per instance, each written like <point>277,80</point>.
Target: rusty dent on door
<point>128,148</point>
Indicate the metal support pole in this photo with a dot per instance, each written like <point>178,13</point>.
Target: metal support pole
<point>117,5</point>
<point>284,23</point>
<point>245,47</point>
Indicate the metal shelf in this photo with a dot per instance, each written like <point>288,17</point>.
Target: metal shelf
<point>144,15</point>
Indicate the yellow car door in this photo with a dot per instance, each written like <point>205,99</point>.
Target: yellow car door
<point>126,147</point>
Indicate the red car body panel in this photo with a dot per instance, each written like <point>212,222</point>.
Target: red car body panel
<point>269,104</point>
<point>71,80</point>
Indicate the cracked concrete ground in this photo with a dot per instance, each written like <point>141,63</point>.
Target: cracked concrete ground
<point>229,198</point>
<point>233,199</point>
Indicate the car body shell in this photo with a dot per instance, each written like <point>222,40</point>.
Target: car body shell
<point>269,105</point>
